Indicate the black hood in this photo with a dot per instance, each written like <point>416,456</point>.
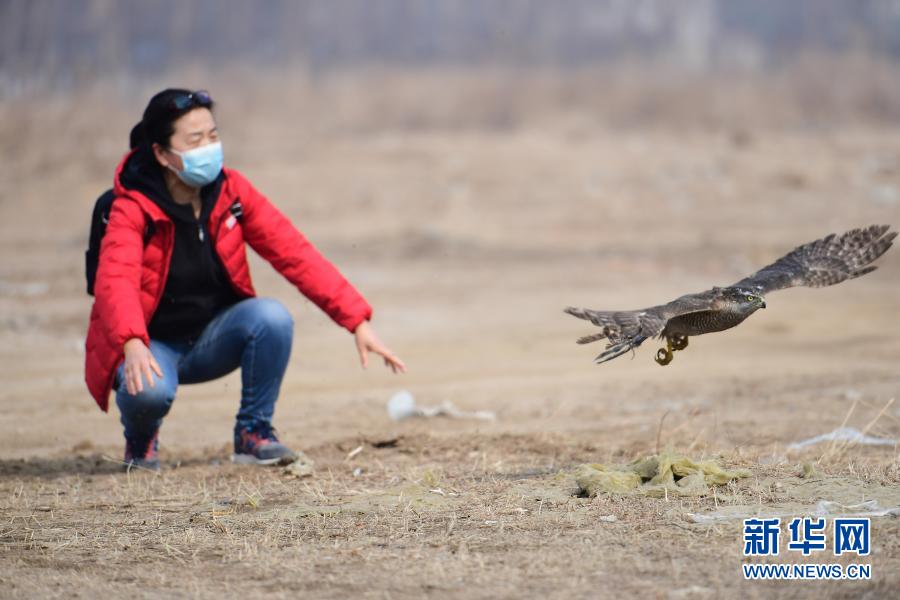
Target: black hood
<point>197,286</point>
<point>143,174</point>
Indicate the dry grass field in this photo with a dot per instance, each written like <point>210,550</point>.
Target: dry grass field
<point>469,231</point>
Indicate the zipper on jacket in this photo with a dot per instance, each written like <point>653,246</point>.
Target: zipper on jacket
<point>170,243</point>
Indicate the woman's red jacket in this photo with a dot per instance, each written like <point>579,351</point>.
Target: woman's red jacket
<point>131,276</point>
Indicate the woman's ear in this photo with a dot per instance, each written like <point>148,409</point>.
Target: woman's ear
<point>164,157</point>
<point>160,155</point>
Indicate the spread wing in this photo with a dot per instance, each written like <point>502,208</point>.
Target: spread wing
<point>626,330</point>
<point>824,262</point>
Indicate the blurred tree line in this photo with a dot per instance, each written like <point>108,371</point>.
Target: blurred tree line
<point>60,43</point>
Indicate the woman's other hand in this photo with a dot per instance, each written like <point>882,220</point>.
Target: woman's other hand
<point>367,341</point>
<point>139,362</point>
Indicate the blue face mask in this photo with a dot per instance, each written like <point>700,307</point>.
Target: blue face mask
<point>200,166</point>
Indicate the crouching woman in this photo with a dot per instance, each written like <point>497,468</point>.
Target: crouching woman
<point>174,303</point>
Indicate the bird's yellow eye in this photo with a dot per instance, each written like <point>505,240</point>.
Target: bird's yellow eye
<point>749,298</point>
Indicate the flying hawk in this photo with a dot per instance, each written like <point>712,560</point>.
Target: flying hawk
<point>824,262</point>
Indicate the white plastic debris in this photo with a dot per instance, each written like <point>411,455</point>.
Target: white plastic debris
<point>845,434</point>
<point>824,508</point>
<point>608,518</point>
<point>827,508</point>
<point>402,406</point>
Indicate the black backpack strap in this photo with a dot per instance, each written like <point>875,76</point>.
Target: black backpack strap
<point>99,221</point>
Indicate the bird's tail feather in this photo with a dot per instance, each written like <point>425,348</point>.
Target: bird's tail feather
<point>616,350</point>
<point>591,338</point>
<point>581,313</point>
<point>625,330</point>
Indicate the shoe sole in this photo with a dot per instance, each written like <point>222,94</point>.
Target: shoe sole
<point>249,459</point>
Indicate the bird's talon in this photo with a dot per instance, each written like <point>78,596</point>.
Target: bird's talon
<point>663,356</point>
<point>679,342</point>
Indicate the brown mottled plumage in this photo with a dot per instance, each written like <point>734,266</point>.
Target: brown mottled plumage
<point>824,262</point>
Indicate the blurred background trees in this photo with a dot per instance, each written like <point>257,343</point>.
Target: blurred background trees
<point>60,43</point>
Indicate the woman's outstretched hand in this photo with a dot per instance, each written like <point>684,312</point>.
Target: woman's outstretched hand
<point>139,362</point>
<point>367,341</point>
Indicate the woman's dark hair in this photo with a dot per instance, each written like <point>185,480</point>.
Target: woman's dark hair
<point>166,107</point>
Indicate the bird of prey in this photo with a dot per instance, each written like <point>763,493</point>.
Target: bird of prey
<point>830,260</point>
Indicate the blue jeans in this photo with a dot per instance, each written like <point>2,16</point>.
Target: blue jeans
<point>255,334</point>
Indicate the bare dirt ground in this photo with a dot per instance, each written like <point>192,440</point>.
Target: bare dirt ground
<point>468,243</point>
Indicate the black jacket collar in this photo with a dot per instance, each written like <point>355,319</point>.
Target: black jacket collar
<point>143,174</point>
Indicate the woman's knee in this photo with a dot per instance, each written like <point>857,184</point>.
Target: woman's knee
<point>272,316</point>
<point>151,402</point>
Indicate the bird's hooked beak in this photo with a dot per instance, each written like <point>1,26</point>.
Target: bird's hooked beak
<point>762,303</point>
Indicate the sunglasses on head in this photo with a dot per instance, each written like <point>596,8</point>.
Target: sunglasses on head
<point>198,98</point>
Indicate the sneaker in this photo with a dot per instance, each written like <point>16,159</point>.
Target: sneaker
<point>141,454</point>
<point>258,445</point>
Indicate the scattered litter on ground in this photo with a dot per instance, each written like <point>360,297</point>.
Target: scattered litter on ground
<point>823,508</point>
<point>844,434</point>
<point>657,475</point>
<point>608,519</point>
<point>402,405</point>
<point>828,508</point>
<point>302,467</point>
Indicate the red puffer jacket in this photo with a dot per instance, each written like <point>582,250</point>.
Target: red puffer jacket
<point>131,277</point>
